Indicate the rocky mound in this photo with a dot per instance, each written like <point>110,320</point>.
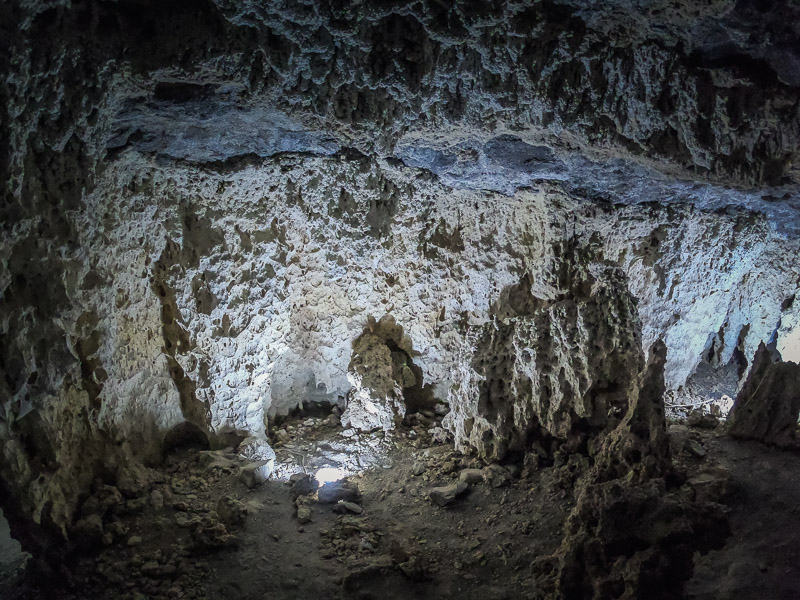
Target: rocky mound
<point>767,407</point>
<point>633,531</point>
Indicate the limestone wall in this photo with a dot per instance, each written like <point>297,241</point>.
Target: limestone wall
<point>202,207</point>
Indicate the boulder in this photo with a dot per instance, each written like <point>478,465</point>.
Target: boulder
<point>231,512</point>
<point>302,485</point>
<point>134,479</point>
<point>348,508</point>
<point>210,534</point>
<point>379,372</point>
<point>255,473</point>
<point>442,496</point>
<point>496,475</point>
<point>256,449</point>
<point>471,476</point>
<point>702,420</point>
<point>336,491</point>
<point>303,514</point>
<point>713,485</point>
<point>213,460</point>
<point>694,448</point>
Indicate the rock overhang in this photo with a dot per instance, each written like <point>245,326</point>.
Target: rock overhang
<point>218,130</point>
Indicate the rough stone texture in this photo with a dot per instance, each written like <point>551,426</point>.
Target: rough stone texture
<point>237,294</point>
<point>549,363</point>
<point>379,372</point>
<point>442,496</point>
<point>712,285</point>
<point>768,405</point>
<point>203,205</point>
<point>667,90</point>
<point>631,533</point>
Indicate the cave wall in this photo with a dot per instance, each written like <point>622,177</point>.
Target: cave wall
<point>226,296</point>
<point>204,203</point>
<point>269,273</point>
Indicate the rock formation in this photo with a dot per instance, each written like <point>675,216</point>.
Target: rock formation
<point>632,533</point>
<point>551,366</point>
<point>203,205</point>
<point>768,405</point>
<point>380,373</point>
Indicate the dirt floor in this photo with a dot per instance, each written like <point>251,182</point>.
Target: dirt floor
<point>761,559</point>
<point>200,532</point>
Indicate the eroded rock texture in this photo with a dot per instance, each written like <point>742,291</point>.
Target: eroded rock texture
<point>632,532</point>
<point>383,377</point>
<point>238,294</point>
<point>554,363</point>
<point>768,405</point>
<point>203,206</point>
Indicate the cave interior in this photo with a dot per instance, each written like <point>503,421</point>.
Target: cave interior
<point>359,299</point>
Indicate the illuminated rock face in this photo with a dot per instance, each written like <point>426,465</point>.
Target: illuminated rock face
<point>379,373</point>
<point>555,365</point>
<point>233,296</point>
<point>200,221</point>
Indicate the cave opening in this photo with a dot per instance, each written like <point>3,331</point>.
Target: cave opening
<point>354,300</point>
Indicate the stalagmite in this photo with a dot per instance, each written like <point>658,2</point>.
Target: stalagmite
<point>768,405</point>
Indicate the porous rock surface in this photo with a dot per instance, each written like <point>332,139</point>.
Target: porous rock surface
<point>551,363</point>
<point>203,206</point>
<point>633,532</point>
<point>378,373</point>
<point>768,404</point>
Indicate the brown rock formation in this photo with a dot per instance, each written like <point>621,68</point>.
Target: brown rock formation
<point>767,407</point>
<point>632,533</point>
<point>560,366</point>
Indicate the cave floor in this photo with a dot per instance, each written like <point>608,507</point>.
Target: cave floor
<point>761,558</point>
<point>486,544</point>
